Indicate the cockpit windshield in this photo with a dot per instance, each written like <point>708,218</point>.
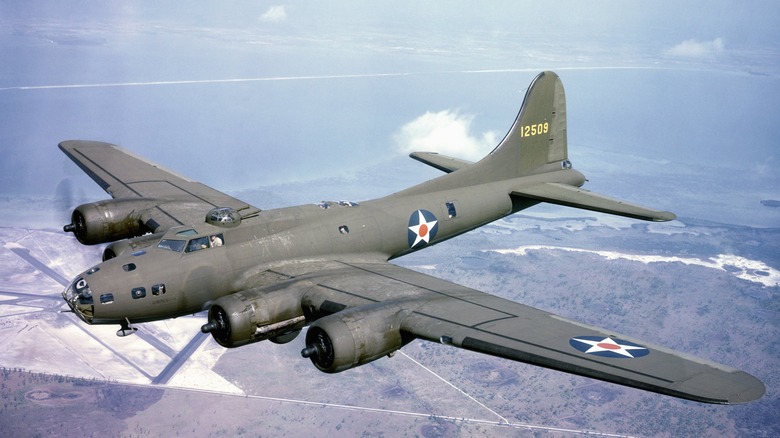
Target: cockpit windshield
<point>177,245</point>
<point>193,244</point>
<point>172,245</point>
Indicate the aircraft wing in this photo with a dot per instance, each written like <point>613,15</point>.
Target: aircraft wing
<point>124,175</point>
<point>441,311</point>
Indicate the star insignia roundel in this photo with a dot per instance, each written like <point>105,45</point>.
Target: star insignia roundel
<point>608,347</point>
<point>422,228</point>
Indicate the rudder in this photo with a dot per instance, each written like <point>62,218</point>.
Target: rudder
<point>537,140</point>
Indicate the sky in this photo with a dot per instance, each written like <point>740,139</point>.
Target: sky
<point>244,94</point>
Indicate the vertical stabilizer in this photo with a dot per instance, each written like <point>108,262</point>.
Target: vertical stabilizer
<point>535,144</point>
<point>537,140</point>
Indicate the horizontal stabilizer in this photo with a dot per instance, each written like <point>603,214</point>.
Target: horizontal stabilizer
<point>562,194</point>
<point>441,162</point>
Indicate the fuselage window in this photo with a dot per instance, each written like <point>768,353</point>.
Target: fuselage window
<point>158,289</point>
<point>451,209</point>
<point>344,229</point>
<point>106,298</point>
<point>129,267</point>
<point>172,245</point>
<point>139,292</point>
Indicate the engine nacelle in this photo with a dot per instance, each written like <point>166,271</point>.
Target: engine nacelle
<point>251,316</point>
<point>353,337</point>
<point>108,221</point>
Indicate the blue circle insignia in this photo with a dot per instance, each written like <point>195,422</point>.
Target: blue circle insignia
<point>608,347</point>
<point>423,226</point>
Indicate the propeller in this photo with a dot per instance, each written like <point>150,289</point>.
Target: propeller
<point>63,195</point>
<point>64,203</point>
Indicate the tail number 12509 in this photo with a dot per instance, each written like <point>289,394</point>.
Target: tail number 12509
<point>531,130</point>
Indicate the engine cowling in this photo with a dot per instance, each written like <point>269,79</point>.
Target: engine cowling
<point>108,221</point>
<point>353,337</point>
<point>251,316</point>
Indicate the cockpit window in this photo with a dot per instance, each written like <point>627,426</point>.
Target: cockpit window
<point>205,242</point>
<point>172,245</point>
<point>198,244</point>
<point>189,232</point>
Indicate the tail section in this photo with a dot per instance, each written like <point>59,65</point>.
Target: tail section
<point>537,140</point>
<point>536,144</point>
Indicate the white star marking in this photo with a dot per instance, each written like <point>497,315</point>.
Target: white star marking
<point>609,344</point>
<point>422,230</point>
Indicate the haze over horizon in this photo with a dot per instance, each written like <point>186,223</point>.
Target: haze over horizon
<point>260,94</point>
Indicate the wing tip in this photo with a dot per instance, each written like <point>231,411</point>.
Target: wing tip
<point>72,144</point>
<point>664,216</point>
<point>752,389</point>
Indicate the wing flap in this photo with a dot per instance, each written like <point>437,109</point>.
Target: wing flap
<point>570,196</point>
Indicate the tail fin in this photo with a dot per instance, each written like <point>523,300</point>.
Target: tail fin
<point>537,140</point>
<point>535,144</point>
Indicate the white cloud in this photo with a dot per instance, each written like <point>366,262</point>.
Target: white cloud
<point>446,132</point>
<point>274,14</point>
<point>697,49</point>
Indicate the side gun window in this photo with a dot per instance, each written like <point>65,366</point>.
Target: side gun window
<point>138,292</point>
<point>451,209</point>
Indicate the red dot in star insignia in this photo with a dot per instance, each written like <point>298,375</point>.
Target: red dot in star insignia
<point>423,230</point>
<point>608,346</point>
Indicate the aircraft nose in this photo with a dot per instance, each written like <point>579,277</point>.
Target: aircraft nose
<point>78,295</point>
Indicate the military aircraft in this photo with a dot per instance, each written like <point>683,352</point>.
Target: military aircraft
<point>180,247</point>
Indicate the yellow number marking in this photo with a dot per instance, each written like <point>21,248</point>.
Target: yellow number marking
<point>532,130</point>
